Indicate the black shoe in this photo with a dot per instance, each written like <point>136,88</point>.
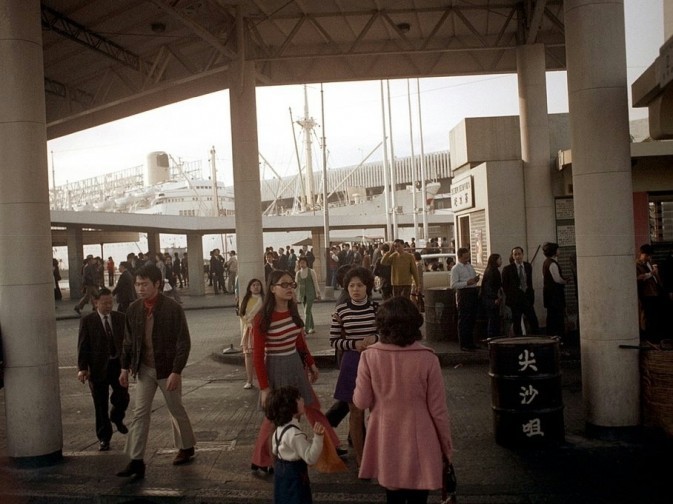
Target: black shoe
<point>266,470</point>
<point>183,456</point>
<point>342,452</point>
<point>135,469</point>
<point>104,446</point>
<point>121,428</point>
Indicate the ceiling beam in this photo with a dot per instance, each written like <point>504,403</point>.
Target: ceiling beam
<point>198,30</point>
<point>535,21</point>
<point>66,27</point>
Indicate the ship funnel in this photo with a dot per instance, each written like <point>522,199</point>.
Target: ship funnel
<point>157,168</point>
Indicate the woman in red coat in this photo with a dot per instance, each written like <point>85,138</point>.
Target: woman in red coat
<point>400,382</point>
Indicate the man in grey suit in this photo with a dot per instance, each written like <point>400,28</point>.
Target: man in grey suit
<point>101,336</point>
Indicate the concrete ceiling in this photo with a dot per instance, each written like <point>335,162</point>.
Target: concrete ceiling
<point>105,60</point>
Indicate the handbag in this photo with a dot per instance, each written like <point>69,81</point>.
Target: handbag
<point>449,482</point>
<point>329,460</point>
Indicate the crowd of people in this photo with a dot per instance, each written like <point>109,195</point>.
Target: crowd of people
<point>174,274</point>
<point>371,341</point>
<point>386,376</point>
<point>149,341</point>
<point>507,298</point>
<point>147,338</point>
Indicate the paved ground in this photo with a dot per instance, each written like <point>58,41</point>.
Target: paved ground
<point>226,419</point>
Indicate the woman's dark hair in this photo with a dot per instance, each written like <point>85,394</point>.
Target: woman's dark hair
<point>399,322</point>
<point>269,304</point>
<point>364,274</point>
<point>417,256</point>
<point>302,259</point>
<point>281,405</point>
<point>492,261</point>
<point>549,249</point>
<point>341,274</point>
<point>248,295</point>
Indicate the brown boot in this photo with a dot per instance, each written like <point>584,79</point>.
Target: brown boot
<point>183,456</point>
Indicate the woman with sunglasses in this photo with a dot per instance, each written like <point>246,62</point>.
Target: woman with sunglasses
<point>282,358</point>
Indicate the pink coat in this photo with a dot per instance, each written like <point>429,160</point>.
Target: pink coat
<point>408,427</point>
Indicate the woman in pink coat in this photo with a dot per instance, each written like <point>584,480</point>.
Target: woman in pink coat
<point>400,382</point>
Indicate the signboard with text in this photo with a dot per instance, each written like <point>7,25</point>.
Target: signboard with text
<point>462,194</point>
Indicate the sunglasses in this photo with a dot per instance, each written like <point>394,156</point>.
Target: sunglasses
<point>287,285</point>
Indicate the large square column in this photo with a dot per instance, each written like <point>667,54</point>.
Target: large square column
<point>75,260</point>
<point>535,146</point>
<point>603,198</point>
<point>197,284</point>
<point>32,399</point>
<point>245,158</point>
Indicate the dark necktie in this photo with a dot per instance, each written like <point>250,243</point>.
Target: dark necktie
<point>110,339</point>
<point>522,278</point>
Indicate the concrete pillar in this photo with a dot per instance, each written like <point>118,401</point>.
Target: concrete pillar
<point>153,244</point>
<point>197,285</point>
<point>599,123</point>
<point>75,261</point>
<point>32,398</point>
<point>245,158</point>
<point>535,146</point>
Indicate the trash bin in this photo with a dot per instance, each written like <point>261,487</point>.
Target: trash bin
<point>526,391</point>
<point>656,372</point>
<point>440,314</point>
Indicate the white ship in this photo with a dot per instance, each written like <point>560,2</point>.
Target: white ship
<point>183,197</point>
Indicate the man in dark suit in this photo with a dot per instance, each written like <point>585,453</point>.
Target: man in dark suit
<point>124,291</point>
<point>268,266</point>
<point>101,336</point>
<point>517,282</point>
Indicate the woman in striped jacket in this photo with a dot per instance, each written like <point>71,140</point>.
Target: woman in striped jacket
<point>353,329</point>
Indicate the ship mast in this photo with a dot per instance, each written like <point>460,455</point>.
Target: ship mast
<point>213,176</point>
<point>307,124</point>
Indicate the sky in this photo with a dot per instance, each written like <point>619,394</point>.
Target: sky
<point>353,121</point>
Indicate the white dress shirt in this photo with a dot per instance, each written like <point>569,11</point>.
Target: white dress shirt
<point>460,274</point>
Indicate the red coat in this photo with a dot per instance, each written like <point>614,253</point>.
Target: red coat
<point>408,427</point>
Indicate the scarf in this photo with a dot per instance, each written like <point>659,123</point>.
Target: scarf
<point>149,304</point>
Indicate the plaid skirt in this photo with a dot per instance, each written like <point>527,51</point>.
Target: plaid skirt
<point>286,370</point>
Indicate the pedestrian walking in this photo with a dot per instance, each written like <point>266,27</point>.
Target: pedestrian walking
<point>156,349</point>
<point>99,346</point>
<point>400,382</point>
<point>309,290</point>
<point>282,358</point>
<point>352,330</point>
<point>247,311</point>
<point>284,407</point>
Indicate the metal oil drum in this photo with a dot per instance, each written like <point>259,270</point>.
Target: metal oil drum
<point>526,391</point>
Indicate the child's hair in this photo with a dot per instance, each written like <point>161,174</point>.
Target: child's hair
<point>281,405</point>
